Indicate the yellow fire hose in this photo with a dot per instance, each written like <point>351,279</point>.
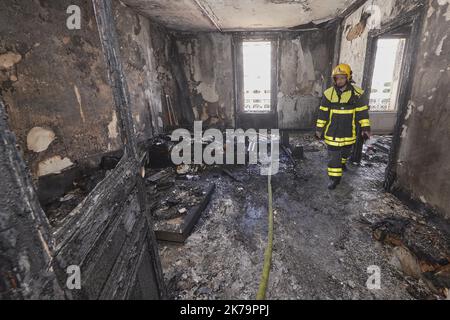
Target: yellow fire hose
<point>268,253</point>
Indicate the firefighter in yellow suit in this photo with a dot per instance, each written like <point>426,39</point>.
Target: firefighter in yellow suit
<point>344,106</point>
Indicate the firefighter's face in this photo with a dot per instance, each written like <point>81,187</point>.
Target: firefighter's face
<point>341,81</point>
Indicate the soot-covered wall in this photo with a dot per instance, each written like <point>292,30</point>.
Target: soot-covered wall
<point>354,39</point>
<point>424,160</point>
<point>139,65</point>
<point>207,61</point>
<point>54,81</point>
<point>146,50</point>
<point>54,84</point>
<point>305,67</point>
<point>423,163</point>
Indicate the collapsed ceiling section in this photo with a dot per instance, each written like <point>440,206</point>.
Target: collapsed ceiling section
<point>238,15</point>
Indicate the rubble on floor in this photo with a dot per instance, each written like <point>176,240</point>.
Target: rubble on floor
<point>419,248</point>
<point>324,241</point>
<point>377,149</point>
<point>58,209</point>
<point>60,194</point>
<point>176,204</point>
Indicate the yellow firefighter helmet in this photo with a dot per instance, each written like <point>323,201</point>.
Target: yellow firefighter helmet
<point>343,69</point>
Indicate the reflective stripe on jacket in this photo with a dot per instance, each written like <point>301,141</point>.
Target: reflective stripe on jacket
<point>339,114</point>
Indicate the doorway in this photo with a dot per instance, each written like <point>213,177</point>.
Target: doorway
<point>386,75</point>
<point>390,60</point>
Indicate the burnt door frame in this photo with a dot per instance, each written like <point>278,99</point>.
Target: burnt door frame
<point>110,234</point>
<point>25,232</point>
<point>246,120</point>
<point>414,19</point>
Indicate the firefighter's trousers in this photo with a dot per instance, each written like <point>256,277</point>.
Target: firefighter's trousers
<point>338,157</point>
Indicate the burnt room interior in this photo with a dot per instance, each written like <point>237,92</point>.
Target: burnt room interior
<point>87,114</point>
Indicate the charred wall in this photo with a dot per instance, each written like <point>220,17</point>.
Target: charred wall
<point>355,35</point>
<point>54,84</point>
<point>206,59</point>
<point>25,237</point>
<point>69,89</point>
<point>140,70</point>
<point>145,51</point>
<point>305,67</point>
<point>155,74</point>
<point>424,159</point>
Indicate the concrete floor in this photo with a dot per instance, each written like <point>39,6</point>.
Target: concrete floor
<point>323,241</point>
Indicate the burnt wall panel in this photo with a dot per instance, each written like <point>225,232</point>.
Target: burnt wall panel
<point>136,38</point>
<point>423,162</point>
<point>305,66</point>
<point>106,234</point>
<point>109,234</point>
<point>156,78</point>
<point>54,84</point>
<point>208,65</point>
<point>355,41</point>
<point>106,238</point>
<point>423,167</point>
<point>25,239</point>
<point>89,232</point>
<point>355,35</point>
<point>143,282</point>
<point>171,77</point>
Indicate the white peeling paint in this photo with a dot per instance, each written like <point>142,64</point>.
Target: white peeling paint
<point>39,139</point>
<point>430,12</point>
<point>447,13</point>
<point>420,108</point>
<point>112,127</point>
<point>208,92</point>
<point>54,165</point>
<point>196,115</point>
<point>404,132</point>
<point>440,46</point>
<point>410,110</point>
<point>423,199</point>
<point>77,94</point>
<point>9,59</point>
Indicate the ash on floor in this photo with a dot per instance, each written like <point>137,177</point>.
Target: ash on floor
<point>324,241</point>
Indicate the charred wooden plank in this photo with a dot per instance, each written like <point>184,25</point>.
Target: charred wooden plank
<point>179,229</point>
<point>25,234</point>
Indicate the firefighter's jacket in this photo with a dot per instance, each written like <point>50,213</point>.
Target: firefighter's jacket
<point>340,113</point>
